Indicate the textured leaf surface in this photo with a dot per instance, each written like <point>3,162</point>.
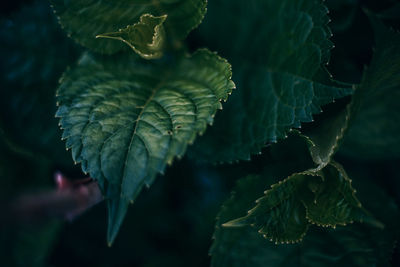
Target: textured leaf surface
<point>240,246</point>
<point>146,37</point>
<point>83,20</point>
<point>125,119</point>
<point>334,201</point>
<point>283,214</point>
<point>280,215</point>
<point>353,245</point>
<point>374,132</point>
<point>275,72</point>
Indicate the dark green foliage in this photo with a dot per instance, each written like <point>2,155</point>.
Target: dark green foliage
<point>84,20</point>
<point>374,132</point>
<point>31,65</point>
<point>276,49</point>
<point>322,195</point>
<point>125,119</point>
<point>354,245</point>
<point>320,184</point>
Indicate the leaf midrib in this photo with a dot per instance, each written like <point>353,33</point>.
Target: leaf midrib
<point>151,97</point>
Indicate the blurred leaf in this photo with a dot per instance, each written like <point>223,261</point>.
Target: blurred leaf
<point>276,49</point>
<point>34,54</point>
<point>34,244</point>
<point>344,13</point>
<point>374,130</point>
<point>126,119</point>
<point>145,37</point>
<point>390,13</point>
<point>83,20</point>
<point>28,245</point>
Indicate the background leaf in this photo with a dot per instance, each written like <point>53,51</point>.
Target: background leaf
<point>276,72</point>
<point>374,129</point>
<point>83,20</point>
<point>126,118</point>
<point>31,66</point>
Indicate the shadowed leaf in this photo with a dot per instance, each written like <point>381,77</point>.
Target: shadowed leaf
<point>275,72</point>
<point>84,20</point>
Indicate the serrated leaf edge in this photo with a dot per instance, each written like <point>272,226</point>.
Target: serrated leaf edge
<point>158,32</point>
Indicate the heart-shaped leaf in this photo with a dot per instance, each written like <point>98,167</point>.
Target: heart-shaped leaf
<point>125,118</point>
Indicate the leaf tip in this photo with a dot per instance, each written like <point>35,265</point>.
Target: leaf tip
<point>239,222</point>
<point>117,209</point>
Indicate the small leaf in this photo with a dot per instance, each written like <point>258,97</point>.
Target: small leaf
<point>322,195</point>
<point>279,215</point>
<point>334,202</point>
<point>31,65</point>
<point>125,118</point>
<point>354,245</point>
<point>243,246</point>
<point>146,37</point>
<point>83,20</point>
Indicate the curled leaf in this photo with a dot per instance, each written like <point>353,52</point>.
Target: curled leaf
<point>147,37</point>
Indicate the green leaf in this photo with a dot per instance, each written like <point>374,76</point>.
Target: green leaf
<point>321,195</point>
<point>334,201</point>
<point>145,37</point>
<point>125,118</point>
<point>240,246</point>
<point>284,213</point>
<point>231,245</point>
<point>353,245</point>
<point>83,20</point>
<point>34,244</point>
<point>280,215</point>
<point>374,130</point>
<point>277,80</point>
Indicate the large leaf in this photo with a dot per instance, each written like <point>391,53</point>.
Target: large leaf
<point>354,245</point>
<point>276,49</point>
<point>84,20</point>
<point>374,130</point>
<point>125,118</point>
